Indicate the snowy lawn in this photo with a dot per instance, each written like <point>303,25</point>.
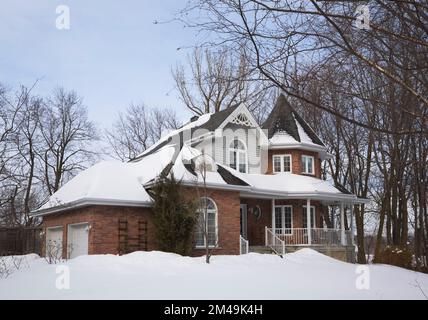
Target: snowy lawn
<point>305,274</point>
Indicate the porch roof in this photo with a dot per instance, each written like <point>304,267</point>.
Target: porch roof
<point>280,186</point>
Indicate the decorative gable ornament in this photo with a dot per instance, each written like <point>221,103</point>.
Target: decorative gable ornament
<point>242,119</point>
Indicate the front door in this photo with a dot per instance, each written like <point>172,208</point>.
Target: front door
<point>243,219</point>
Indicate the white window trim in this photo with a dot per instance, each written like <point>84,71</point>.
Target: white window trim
<point>54,227</point>
<point>216,227</point>
<point>283,218</point>
<point>304,171</point>
<point>282,156</point>
<point>305,216</point>
<point>238,151</point>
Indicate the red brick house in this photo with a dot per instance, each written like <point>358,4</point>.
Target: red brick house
<point>264,186</point>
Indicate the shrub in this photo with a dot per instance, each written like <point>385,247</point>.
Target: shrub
<point>174,216</point>
<point>396,256</point>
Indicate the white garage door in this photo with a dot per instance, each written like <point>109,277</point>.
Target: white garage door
<point>54,242</point>
<point>77,243</point>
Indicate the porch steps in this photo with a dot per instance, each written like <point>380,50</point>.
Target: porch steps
<point>260,249</point>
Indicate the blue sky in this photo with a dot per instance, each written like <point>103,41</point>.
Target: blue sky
<point>112,55</point>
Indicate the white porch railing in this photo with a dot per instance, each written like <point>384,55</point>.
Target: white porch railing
<point>243,245</point>
<point>274,242</point>
<point>319,236</point>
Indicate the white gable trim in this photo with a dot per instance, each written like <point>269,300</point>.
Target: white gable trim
<point>240,109</point>
<point>244,110</point>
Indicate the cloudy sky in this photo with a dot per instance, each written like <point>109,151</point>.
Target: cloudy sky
<point>112,55</point>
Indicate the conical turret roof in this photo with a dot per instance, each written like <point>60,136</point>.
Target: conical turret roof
<point>285,121</point>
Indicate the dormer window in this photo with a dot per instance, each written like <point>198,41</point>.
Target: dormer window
<point>238,156</point>
<point>281,163</point>
<point>308,164</point>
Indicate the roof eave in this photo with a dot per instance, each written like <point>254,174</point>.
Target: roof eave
<point>323,196</point>
<point>84,202</point>
<point>248,191</point>
<point>302,146</point>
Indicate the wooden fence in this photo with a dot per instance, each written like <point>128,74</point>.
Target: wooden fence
<point>18,240</point>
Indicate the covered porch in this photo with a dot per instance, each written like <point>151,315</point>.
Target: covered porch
<point>285,224</point>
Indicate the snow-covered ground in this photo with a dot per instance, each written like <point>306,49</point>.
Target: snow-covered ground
<point>305,274</point>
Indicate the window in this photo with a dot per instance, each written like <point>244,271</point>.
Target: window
<point>277,164</point>
<point>283,219</point>
<point>308,164</point>
<point>207,223</point>
<point>282,163</point>
<point>305,215</point>
<point>238,156</point>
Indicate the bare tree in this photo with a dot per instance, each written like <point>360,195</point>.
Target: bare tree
<point>18,144</point>
<point>44,142</point>
<point>68,135</point>
<point>202,224</point>
<point>137,129</point>
<point>280,36</point>
<point>217,80</point>
<point>372,162</point>
<point>27,142</point>
<point>10,109</point>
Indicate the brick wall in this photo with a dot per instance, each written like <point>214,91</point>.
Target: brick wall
<point>296,156</point>
<point>104,232</point>
<point>104,221</point>
<point>229,225</point>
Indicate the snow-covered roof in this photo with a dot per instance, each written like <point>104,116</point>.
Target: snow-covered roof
<point>111,182</point>
<point>117,183</point>
<point>279,185</point>
<point>168,137</point>
<point>186,169</point>
<point>200,125</point>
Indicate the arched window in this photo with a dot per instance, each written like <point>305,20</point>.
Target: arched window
<point>206,229</point>
<point>238,156</point>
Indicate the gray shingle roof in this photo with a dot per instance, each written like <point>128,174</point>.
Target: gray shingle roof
<point>283,117</point>
<point>215,120</point>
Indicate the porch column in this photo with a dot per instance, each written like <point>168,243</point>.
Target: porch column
<point>273,221</point>
<point>308,220</point>
<point>342,223</point>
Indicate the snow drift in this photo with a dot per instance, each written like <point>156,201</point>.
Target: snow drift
<point>305,274</point>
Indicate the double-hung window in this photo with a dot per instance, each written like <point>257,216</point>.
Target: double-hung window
<point>308,164</point>
<point>281,163</point>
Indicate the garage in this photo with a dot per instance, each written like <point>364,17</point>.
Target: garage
<point>54,242</point>
<point>77,240</point>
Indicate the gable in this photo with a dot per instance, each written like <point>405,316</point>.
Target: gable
<point>240,116</point>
